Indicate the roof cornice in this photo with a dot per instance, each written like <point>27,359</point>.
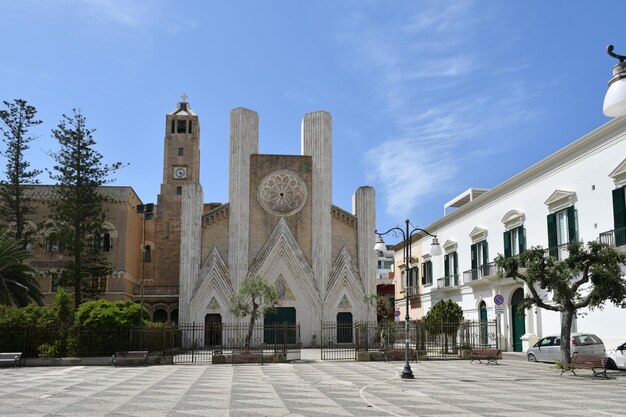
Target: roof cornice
<point>612,131</point>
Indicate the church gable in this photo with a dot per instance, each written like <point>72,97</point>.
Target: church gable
<point>282,256</point>
<point>344,277</point>
<point>213,284</point>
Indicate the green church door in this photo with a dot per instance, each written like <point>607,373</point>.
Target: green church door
<point>344,327</point>
<point>280,326</point>
<point>519,325</point>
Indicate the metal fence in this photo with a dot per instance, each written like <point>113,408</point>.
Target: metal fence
<point>198,342</point>
<point>82,342</point>
<point>186,343</point>
<point>430,341</point>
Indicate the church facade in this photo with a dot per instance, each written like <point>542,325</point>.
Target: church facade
<point>279,223</point>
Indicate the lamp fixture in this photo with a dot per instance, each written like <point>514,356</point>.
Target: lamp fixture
<point>615,99</point>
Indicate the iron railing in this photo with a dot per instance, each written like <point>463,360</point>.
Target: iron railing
<point>82,342</point>
<point>426,339</point>
<point>615,237</point>
<point>186,342</point>
<point>559,252</point>
<point>481,272</point>
<point>449,281</point>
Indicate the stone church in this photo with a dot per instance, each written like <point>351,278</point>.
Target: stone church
<point>279,223</point>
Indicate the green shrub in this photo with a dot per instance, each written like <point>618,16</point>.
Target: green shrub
<point>108,315</point>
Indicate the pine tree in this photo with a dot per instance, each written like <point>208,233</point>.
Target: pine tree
<point>77,211</point>
<point>17,120</point>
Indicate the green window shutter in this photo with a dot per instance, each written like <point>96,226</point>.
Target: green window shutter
<point>473,250</point>
<point>446,266</point>
<point>417,276</point>
<point>506,236</point>
<point>485,252</point>
<point>423,273</point>
<point>571,224</point>
<point>552,236</point>
<point>521,237</point>
<point>619,208</point>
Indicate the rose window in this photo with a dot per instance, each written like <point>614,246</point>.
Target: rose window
<point>282,192</point>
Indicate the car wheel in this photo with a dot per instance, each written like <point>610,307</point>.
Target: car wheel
<point>532,358</point>
<point>610,364</point>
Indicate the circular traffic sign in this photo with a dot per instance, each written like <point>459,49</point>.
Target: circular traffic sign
<point>498,299</point>
<point>396,313</point>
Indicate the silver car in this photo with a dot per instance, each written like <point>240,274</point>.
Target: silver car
<point>548,349</point>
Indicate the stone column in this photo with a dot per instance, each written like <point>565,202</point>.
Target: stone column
<point>364,208</point>
<point>317,142</point>
<point>244,141</point>
<point>190,248</point>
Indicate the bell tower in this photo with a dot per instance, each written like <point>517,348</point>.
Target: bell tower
<point>181,165</point>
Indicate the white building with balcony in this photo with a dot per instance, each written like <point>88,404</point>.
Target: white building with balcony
<point>576,193</point>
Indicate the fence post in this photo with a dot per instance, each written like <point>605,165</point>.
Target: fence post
<point>193,341</point>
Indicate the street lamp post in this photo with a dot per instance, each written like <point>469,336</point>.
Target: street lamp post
<point>435,250</point>
<point>147,212</point>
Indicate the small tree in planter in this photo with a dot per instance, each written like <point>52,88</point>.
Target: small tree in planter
<point>255,298</point>
<point>444,317</point>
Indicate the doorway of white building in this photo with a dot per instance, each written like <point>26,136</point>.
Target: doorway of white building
<point>517,320</point>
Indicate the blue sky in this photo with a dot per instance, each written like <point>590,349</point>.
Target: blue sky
<point>428,98</point>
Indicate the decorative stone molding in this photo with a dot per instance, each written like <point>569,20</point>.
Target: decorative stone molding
<point>478,234</point>
<point>560,200</point>
<point>343,216</point>
<point>619,174</point>
<point>282,244</point>
<point>513,219</point>
<point>450,246</point>
<point>213,282</point>
<point>219,213</point>
<point>345,279</point>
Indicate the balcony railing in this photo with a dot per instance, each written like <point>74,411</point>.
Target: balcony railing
<point>560,252</point>
<point>449,281</point>
<point>481,272</point>
<point>616,237</point>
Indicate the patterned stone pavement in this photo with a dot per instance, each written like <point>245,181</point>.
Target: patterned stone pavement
<point>441,388</point>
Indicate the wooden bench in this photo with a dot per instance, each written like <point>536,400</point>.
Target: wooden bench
<point>488,354</point>
<point>598,364</point>
<point>133,357</point>
<point>14,358</point>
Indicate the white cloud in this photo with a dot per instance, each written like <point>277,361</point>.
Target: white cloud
<point>424,68</point>
<point>124,12</point>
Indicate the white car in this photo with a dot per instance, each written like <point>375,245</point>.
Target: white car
<point>617,357</point>
<point>548,349</point>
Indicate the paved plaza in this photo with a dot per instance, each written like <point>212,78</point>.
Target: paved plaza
<point>310,388</point>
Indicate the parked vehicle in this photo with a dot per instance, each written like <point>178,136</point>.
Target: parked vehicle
<point>617,357</point>
<point>548,349</point>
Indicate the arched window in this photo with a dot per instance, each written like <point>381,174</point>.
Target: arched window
<point>106,242</point>
<point>147,254</point>
<point>160,316</point>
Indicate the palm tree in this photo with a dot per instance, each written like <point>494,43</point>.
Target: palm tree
<point>18,286</point>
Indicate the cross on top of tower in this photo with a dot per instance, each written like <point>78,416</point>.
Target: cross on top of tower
<point>184,97</point>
